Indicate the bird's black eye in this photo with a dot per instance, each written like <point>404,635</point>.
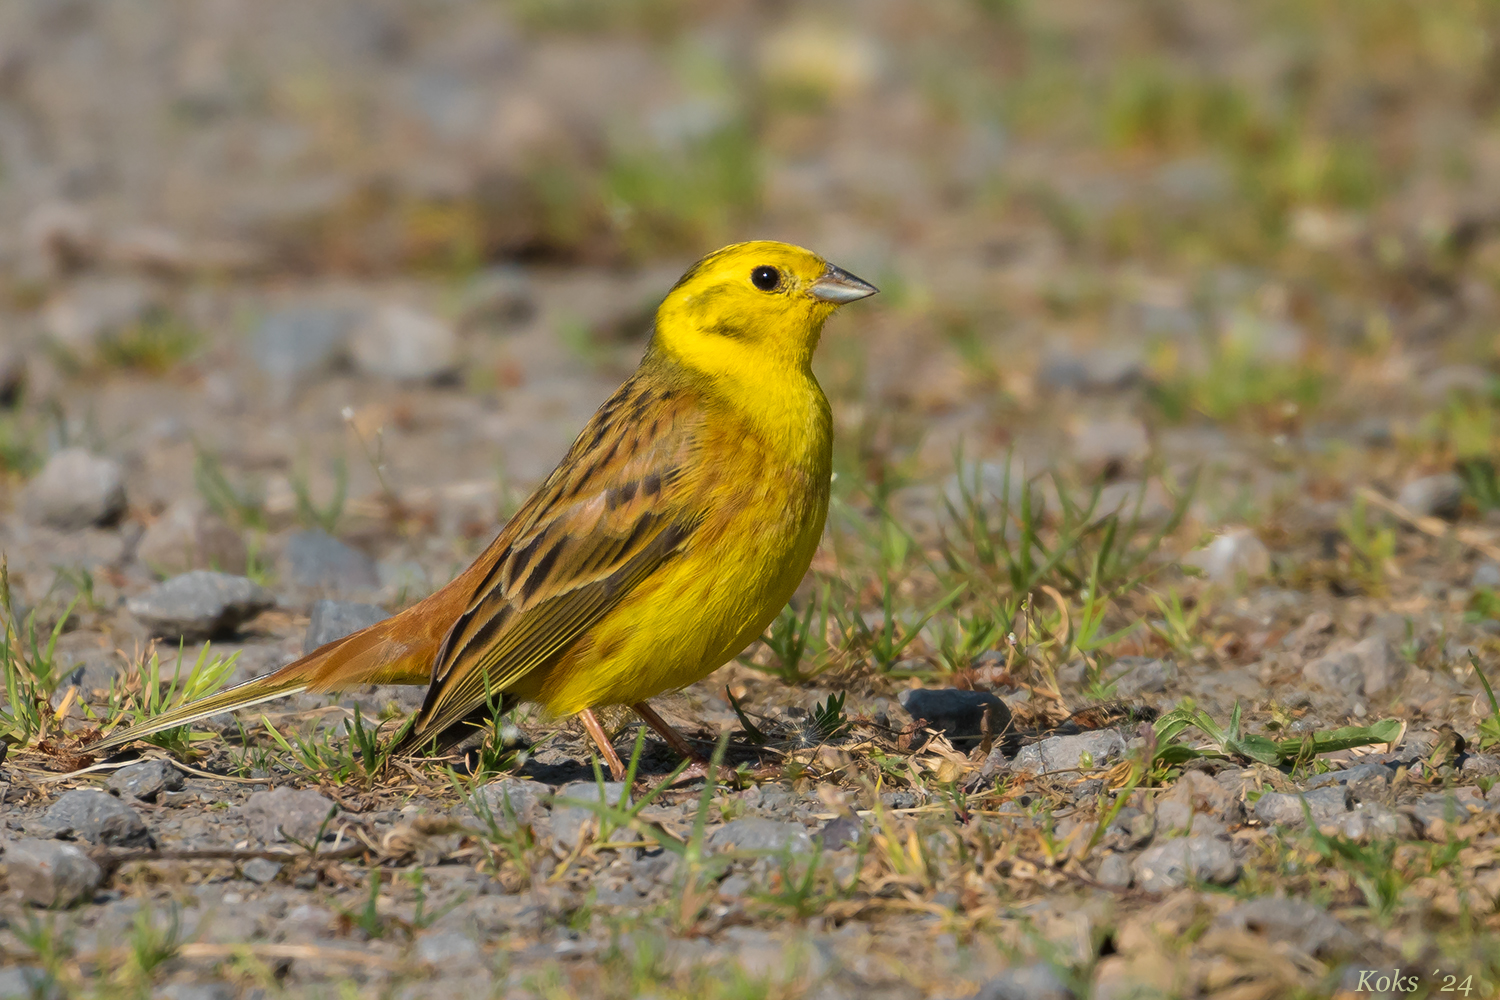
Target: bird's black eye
<point>767,279</point>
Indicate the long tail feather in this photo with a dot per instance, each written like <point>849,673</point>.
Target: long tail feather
<point>398,650</point>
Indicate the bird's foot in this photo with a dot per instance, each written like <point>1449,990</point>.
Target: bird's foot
<point>606,749</point>
<point>673,738</point>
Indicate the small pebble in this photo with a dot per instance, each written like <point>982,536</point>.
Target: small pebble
<point>1037,981</point>
<point>315,560</point>
<point>1485,575</point>
<point>187,536</point>
<point>399,343</point>
<point>1065,753</point>
<point>447,950</point>
<point>332,620</point>
<point>1114,871</point>
<point>1283,809</point>
<point>260,870</point>
<point>756,834</point>
<point>1433,496</point>
<point>145,781</point>
<point>75,490</point>
<point>95,816</point>
<point>50,873</point>
<point>1177,862</point>
<point>199,604</point>
<point>569,822</point>
<point>284,813</point>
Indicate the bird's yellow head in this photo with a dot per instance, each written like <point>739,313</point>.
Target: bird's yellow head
<point>752,310</point>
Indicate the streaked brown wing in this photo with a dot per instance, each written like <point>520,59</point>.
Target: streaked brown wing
<point>608,517</point>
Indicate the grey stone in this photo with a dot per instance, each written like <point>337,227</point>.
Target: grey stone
<point>1174,863</point>
<point>145,781</point>
<point>1381,667</point>
<point>261,870</point>
<point>332,620</point>
<point>196,991</point>
<point>199,604</point>
<point>571,822</point>
<point>626,894</point>
<point>1441,495</point>
<point>506,797</point>
<point>1065,753</point>
<point>75,490</point>
<point>1233,556</point>
<point>315,560</point>
<point>1175,818</point>
<point>287,814</point>
<point>772,799</point>
<point>188,536</point>
<point>1311,636</point>
<point>1114,871</point>
<point>957,713</point>
<point>400,343</point>
<point>50,873</point>
<point>1364,781</point>
<point>1282,809</point>
<point>841,831</point>
<point>1338,672</point>
<point>653,867</point>
<point>447,949</point>
<point>1482,764</point>
<point>1368,667</point>
<point>301,340</point>
<point>903,799</point>
<point>1037,981</point>
<point>1436,813</point>
<point>1134,676</point>
<point>752,833</point>
<point>1486,575</point>
<point>1373,821</point>
<point>1295,922</point>
<point>95,816</point>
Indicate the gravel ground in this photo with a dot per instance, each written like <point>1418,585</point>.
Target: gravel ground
<point>297,302</point>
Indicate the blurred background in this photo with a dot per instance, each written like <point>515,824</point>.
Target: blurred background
<point>314,293</point>
<point>366,267</point>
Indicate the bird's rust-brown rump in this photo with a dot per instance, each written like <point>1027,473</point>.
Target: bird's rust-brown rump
<point>399,650</point>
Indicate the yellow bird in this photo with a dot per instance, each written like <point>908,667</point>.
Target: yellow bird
<point>673,531</point>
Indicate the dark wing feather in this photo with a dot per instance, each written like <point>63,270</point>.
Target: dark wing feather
<point>606,519</point>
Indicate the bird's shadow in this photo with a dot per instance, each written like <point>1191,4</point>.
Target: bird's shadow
<point>657,761</point>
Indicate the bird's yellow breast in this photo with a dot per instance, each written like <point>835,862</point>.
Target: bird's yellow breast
<point>763,501</point>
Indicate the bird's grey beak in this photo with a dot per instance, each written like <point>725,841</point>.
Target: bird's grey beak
<point>838,286</point>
